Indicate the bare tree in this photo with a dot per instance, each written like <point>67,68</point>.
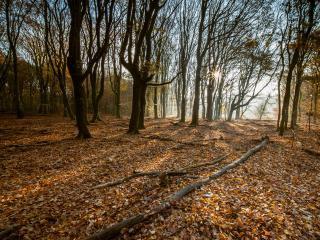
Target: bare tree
<point>16,14</point>
<point>78,10</point>
<point>305,12</point>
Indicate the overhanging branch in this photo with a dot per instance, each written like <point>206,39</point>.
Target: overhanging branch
<point>165,83</point>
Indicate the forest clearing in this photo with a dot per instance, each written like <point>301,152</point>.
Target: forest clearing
<point>46,185</point>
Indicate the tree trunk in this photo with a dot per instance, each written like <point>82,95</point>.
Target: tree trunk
<point>45,99</point>
<point>209,101</point>
<point>148,102</point>
<point>195,110</point>
<point>286,99</point>
<point>238,114</point>
<point>203,105</point>
<point>40,110</point>
<point>134,120</point>
<point>178,99</point>
<point>96,98</point>
<point>142,106</point>
<point>230,112</point>
<point>183,95</point>
<point>118,95</point>
<point>79,94</point>
<point>279,102</point>
<point>296,100</point>
<point>218,102</point>
<point>285,107</point>
<point>163,93</point>
<point>155,103</point>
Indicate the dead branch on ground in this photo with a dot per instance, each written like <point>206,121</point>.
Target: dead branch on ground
<point>307,150</point>
<point>180,171</point>
<point>116,229</point>
<point>36,144</point>
<point>205,164</point>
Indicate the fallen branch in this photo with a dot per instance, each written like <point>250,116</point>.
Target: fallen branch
<point>155,174</point>
<point>199,125</point>
<point>307,150</point>
<point>116,229</point>
<point>35,144</point>
<point>110,184</point>
<point>140,174</point>
<point>205,164</point>
<point>184,143</point>
<point>8,231</point>
<point>57,161</point>
<point>103,121</point>
<point>159,138</point>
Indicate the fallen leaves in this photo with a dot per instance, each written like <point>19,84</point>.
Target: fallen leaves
<point>274,195</point>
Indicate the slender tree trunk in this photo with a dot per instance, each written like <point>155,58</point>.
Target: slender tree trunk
<point>285,106</point>
<point>40,110</point>
<point>134,120</point>
<point>96,98</point>
<point>155,99</point>
<point>209,101</point>
<point>45,100</point>
<point>279,101</point>
<point>118,95</point>
<point>218,102</point>
<point>142,106</point>
<point>286,99</point>
<point>203,105</point>
<point>148,102</point>
<point>30,96</point>
<point>196,102</point>
<point>178,98</point>
<point>295,100</point>
<point>163,90</point>
<point>183,95</point>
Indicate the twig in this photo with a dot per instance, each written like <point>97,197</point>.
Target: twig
<point>57,161</point>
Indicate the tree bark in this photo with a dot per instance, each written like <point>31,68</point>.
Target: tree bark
<point>296,100</point>
<point>135,114</point>
<point>142,106</point>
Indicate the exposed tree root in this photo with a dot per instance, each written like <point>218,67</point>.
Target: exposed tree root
<point>36,144</point>
<point>116,229</point>
<point>307,150</point>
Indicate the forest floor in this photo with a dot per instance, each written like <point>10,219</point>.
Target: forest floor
<point>46,188</point>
